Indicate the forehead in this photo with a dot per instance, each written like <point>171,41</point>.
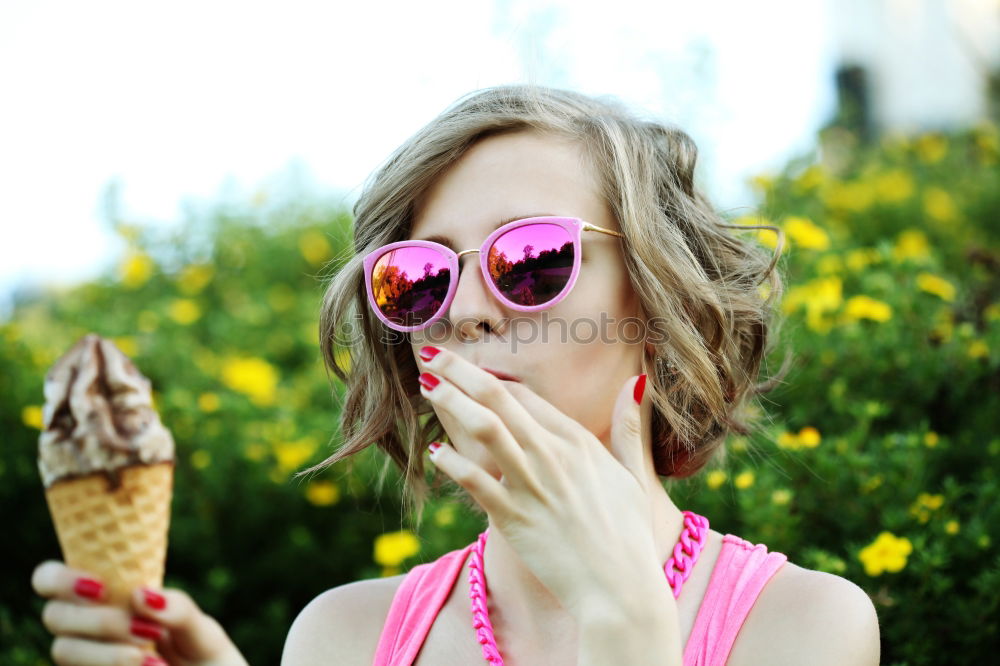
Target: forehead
<point>508,177</point>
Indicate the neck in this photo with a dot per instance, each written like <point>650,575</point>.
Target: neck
<point>519,603</point>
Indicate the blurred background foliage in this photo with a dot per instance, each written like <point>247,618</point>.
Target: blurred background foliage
<point>879,461</point>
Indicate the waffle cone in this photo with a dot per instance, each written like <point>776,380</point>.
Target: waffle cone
<point>117,534</point>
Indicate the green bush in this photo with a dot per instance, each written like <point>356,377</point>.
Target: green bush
<point>879,463</point>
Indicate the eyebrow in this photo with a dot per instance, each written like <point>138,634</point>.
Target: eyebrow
<point>444,240</point>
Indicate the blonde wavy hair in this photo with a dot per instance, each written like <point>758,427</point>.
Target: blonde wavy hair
<point>704,282</point>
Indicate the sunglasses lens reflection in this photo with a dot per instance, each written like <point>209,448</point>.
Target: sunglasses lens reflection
<point>532,264</point>
<point>410,284</point>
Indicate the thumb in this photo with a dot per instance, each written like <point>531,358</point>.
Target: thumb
<point>191,634</point>
<point>626,427</point>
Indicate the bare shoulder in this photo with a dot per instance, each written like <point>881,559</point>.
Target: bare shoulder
<point>341,625</point>
<point>805,616</point>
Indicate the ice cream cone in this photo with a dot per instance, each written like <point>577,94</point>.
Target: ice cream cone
<point>118,534</point>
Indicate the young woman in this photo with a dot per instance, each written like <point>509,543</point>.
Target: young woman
<point>539,283</point>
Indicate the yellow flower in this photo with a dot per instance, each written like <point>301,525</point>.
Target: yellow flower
<point>829,264</point>
<point>872,483</point>
<point>291,455</point>
<point>806,234</point>
<point>809,179</point>
<point>201,459</point>
<point>715,478</point>
<point>762,182</point>
<point>314,247</point>
<point>951,527</point>
<point>938,286</point>
<point>856,197</point>
<point>394,547</point>
<point>931,501</point>
<point>31,416</point>
<point>764,290</point>
<point>943,325</point>
<point>931,439</point>
<point>208,402</point>
<point>136,269</point>
<point>911,244</point>
<point>743,480</point>
<point>445,516</point>
<point>781,497</point>
<point>819,297</point>
<point>184,311</point>
<point>255,452</point>
<point>931,147</point>
<point>253,377</point>
<point>894,185</point>
<point>127,345</point>
<point>978,349</point>
<point>939,205</point>
<point>739,444</point>
<point>809,437</point>
<point>862,257</point>
<point>863,307</point>
<point>194,278</point>
<point>787,440</point>
<point>764,236</point>
<point>988,142</point>
<point>887,553</point>
<point>924,504</point>
<point>323,493</point>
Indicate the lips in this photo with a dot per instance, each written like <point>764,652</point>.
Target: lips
<point>501,375</point>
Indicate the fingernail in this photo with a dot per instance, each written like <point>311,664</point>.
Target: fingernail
<point>153,660</point>
<point>154,600</point>
<point>427,353</point>
<point>433,447</point>
<point>145,629</point>
<point>428,381</point>
<point>640,388</point>
<point>89,588</point>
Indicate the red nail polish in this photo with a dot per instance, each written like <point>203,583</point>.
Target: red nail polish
<point>428,381</point>
<point>427,353</point>
<point>89,588</point>
<point>640,388</point>
<point>145,629</point>
<point>433,447</point>
<point>154,600</point>
<point>153,660</point>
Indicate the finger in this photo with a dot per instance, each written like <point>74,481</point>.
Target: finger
<point>194,634</point>
<point>547,414</point>
<point>626,428</point>
<point>487,390</point>
<point>479,422</point>
<point>105,623</point>
<point>69,651</point>
<point>55,580</point>
<point>486,490</point>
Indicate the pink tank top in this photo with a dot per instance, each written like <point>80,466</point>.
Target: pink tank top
<point>740,574</point>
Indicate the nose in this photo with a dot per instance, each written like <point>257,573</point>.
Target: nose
<point>474,310</point>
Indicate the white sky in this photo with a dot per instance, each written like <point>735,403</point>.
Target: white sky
<point>175,99</point>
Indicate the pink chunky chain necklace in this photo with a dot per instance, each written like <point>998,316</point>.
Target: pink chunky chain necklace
<point>677,568</point>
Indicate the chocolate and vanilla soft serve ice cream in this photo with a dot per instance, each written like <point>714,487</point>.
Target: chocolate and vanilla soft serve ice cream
<point>98,416</point>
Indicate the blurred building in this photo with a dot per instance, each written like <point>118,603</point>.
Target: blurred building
<point>912,65</point>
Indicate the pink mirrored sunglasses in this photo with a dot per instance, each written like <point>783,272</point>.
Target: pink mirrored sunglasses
<point>529,265</point>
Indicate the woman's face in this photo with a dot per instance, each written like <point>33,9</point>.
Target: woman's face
<point>579,362</point>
